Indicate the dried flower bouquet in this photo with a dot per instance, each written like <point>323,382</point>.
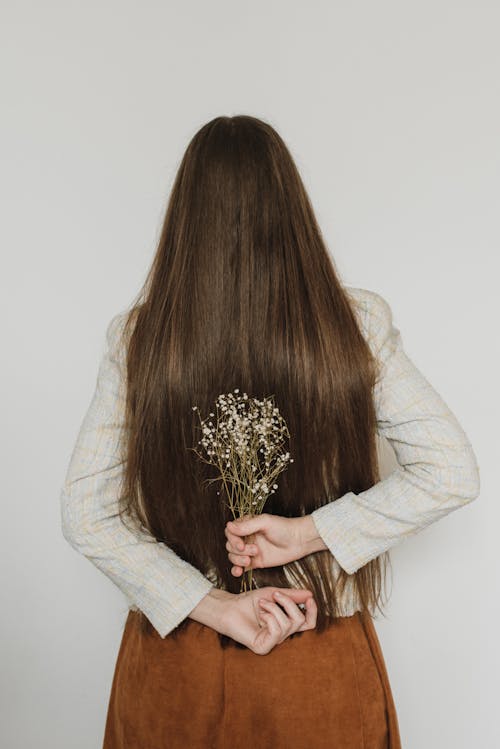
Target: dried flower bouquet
<point>245,442</point>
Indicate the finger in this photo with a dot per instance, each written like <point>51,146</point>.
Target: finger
<point>291,608</point>
<point>311,613</point>
<point>248,524</point>
<point>272,625</point>
<point>237,571</point>
<point>241,561</point>
<point>284,622</point>
<point>299,595</point>
<point>241,548</point>
<point>235,541</point>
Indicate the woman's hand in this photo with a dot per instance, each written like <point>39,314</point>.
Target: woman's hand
<point>262,626</point>
<point>276,540</point>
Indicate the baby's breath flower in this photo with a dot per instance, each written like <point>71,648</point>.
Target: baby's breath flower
<point>246,445</point>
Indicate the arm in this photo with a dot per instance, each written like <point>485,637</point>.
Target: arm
<point>438,471</point>
<point>161,584</point>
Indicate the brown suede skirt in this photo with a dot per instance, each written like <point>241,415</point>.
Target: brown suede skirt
<point>327,690</point>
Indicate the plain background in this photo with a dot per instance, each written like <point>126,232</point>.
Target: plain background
<point>391,110</point>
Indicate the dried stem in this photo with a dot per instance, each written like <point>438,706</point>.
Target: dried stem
<point>245,430</point>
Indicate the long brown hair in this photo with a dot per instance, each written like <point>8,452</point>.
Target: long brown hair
<point>242,293</point>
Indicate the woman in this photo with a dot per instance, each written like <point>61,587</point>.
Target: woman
<point>242,294</point>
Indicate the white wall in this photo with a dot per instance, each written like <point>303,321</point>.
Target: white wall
<point>391,110</point>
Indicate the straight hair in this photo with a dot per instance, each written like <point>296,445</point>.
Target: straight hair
<point>242,293</point>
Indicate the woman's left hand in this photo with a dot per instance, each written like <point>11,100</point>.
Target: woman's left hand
<point>276,540</point>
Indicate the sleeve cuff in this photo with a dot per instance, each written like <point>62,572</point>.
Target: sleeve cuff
<point>332,523</point>
<point>164,617</point>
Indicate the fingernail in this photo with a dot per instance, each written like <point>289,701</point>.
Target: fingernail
<point>278,594</point>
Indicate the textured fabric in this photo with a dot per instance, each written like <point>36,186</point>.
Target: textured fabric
<point>438,470</point>
<point>438,473</point>
<point>321,690</point>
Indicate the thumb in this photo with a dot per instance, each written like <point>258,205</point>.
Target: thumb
<point>246,525</point>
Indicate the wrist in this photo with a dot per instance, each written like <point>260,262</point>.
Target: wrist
<point>311,540</point>
<point>209,611</point>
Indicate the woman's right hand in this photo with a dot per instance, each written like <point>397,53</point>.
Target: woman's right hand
<point>271,541</point>
<point>261,627</point>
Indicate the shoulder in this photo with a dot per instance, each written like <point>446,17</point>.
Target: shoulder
<point>122,323</point>
<point>118,330</point>
<point>373,310</point>
<point>115,327</point>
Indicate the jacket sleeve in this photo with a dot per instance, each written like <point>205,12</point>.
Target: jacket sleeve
<point>161,584</point>
<point>437,473</point>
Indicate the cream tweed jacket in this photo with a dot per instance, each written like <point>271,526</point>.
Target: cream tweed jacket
<point>437,473</point>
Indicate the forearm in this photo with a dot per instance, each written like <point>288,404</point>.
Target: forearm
<point>209,610</point>
<point>311,541</point>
